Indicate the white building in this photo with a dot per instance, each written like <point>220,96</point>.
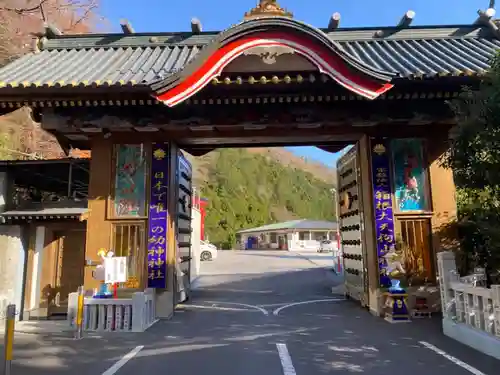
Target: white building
<point>292,235</point>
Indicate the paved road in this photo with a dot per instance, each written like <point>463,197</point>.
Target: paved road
<point>242,321</point>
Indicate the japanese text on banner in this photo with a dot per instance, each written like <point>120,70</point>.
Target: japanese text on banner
<point>382,200</point>
<point>157,226</point>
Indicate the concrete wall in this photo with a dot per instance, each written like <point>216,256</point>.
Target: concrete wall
<point>12,259</point>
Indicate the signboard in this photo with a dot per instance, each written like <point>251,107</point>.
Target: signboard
<point>382,201</point>
<point>132,283</point>
<point>157,225</point>
<point>115,270</point>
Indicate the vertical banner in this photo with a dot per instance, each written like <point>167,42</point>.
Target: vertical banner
<point>382,201</point>
<point>157,223</point>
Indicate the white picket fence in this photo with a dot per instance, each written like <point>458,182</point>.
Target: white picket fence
<point>134,314</point>
<point>471,314</point>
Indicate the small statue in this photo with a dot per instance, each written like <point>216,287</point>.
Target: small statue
<point>395,270</point>
<point>99,274</point>
<point>396,303</point>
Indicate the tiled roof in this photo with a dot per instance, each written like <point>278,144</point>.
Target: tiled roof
<point>56,210</point>
<point>138,59</point>
<point>293,224</point>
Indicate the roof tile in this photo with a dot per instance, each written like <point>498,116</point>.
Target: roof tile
<point>105,60</point>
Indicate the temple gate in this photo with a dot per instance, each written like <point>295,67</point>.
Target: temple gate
<point>136,99</point>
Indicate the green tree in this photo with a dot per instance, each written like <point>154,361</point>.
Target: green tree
<point>248,190</point>
<point>474,156</point>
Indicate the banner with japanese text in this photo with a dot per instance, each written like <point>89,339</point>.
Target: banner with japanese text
<point>383,209</point>
<point>157,223</point>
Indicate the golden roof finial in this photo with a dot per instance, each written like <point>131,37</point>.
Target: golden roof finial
<point>267,8</point>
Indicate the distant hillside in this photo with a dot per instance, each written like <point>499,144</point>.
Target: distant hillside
<point>252,187</point>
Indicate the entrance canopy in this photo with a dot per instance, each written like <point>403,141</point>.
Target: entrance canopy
<point>289,36</point>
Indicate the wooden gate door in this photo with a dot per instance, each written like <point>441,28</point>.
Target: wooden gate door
<point>351,226</point>
<point>70,261</point>
<point>183,227</point>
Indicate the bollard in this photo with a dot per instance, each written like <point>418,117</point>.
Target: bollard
<point>79,314</point>
<point>10,320</point>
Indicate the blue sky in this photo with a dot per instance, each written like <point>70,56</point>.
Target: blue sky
<point>164,15</point>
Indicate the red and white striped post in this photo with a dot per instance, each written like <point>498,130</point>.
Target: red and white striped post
<point>339,265</point>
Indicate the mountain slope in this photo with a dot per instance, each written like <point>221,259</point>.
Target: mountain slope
<point>251,187</point>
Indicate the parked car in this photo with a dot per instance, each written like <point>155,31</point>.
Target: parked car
<point>208,251</point>
<point>326,246</point>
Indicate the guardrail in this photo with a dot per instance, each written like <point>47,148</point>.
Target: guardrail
<point>471,314</point>
<point>134,314</point>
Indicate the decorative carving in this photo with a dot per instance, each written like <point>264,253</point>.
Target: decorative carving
<point>267,8</point>
<point>269,54</point>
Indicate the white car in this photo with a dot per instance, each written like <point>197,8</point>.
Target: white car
<point>208,251</point>
<point>326,246</point>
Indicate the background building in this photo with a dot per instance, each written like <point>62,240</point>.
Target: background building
<point>292,235</point>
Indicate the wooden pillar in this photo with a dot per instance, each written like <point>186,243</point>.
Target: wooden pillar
<point>369,225</point>
<point>98,228</point>
<point>442,194</point>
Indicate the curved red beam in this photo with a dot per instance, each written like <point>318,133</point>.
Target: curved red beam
<point>323,58</point>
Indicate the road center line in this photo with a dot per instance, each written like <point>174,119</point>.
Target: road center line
<point>278,310</point>
<point>127,357</point>
<point>286,360</point>
<point>449,357</point>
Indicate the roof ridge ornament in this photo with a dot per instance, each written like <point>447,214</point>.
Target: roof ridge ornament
<point>267,8</point>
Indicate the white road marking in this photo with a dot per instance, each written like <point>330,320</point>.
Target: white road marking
<point>286,360</point>
<point>449,357</point>
<point>263,311</point>
<point>215,307</point>
<point>278,310</point>
<point>127,357</point>
<point>263,335</point>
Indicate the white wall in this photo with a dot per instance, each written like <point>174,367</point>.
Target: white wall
<point>295,244</point>
<point>12,258</point>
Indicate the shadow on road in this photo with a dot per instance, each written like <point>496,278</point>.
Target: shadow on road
<point>286,255</point>
<point>325,338</point>
<point>275,286</point>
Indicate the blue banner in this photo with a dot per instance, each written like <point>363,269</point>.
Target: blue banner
<point>157,224</point>
<point>382,201</point>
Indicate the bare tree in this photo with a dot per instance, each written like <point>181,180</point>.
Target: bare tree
<point>22,20</point>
